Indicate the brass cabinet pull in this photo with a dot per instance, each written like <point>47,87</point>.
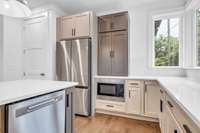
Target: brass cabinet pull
<point>161,106</point>
<point>134,84</point>
<point>111,106</point>
<point>112,54</point>
<point>129,93</point>
<point>74,32</point>
<point>170,104</point>
<point>187,129</point>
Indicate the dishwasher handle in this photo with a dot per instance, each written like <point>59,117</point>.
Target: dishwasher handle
<point>37,106</point>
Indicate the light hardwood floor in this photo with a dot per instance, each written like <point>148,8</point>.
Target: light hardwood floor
<point>110,124</point>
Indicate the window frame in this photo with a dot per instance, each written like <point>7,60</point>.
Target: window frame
<point>154,17</point>
<point>195,39</point>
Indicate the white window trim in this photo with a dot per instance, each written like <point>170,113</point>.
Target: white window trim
<point>179,14</point>
<point>195,49</point>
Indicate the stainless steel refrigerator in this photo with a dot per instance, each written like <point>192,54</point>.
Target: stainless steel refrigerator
<point>73,63</point>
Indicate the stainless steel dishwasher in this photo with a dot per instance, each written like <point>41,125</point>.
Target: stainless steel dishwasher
<point>43,114</point>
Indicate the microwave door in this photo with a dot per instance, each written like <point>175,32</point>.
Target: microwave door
<point>81,62</point>
<point>63,60</point>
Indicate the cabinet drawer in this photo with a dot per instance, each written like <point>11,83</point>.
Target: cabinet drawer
<point>113,22</point>
<point>110,106</point>
<point>151,82</point>
<point>185,122</point>
<point>134,83</point>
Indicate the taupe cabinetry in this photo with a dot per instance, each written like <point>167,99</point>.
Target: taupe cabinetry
<point>67,27</point>
<point>114,22</point>
<point>104,54</point>
<point>113,45</point>
<point>1,119</point>
<point>82,25</point>
<point>113,54</point>
<point>75,26</point>
<point>152,99</point>
<point>119,53</point>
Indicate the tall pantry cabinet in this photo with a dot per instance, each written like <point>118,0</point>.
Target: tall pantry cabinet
<point>10,49</point>
<point>39,45</point>
<point>113,45</point>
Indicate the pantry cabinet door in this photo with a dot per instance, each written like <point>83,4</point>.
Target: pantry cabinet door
<point>120,53</point>
<point>35,36</point>
<point>119,22</point>
<point>104,51</point>
<point>105,23</point>
<point>82,25</point>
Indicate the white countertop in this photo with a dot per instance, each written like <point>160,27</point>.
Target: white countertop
<point>12,91</point>
<point>183,91</point>
<point>186,94</point>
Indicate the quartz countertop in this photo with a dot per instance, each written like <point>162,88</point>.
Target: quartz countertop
<point>185,92</point>
<point>12,91</point>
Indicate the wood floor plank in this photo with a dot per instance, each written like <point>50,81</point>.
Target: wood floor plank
<point>111,124</point>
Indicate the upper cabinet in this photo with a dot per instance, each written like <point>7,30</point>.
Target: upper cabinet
<point>114,22</point>
<point>113,45</point>
<point>79,25</point>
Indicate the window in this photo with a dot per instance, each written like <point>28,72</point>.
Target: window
<point>167,42</point>
<point>198,36</point>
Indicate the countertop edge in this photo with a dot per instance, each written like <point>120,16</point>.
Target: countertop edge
<point>10,101</point>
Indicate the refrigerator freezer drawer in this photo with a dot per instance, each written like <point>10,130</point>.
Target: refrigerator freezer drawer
<point>82,101</point>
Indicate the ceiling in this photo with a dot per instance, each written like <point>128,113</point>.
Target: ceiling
<point>74,6</point>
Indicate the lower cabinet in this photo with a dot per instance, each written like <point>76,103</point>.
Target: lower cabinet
<point>133,94</point>
<point>69,111</point>
<point>172,125</point>
<point>162,114</point>
<point>152,99</point>
<point>1,119</point>
<point>110,106</point>
<point>148,99</point>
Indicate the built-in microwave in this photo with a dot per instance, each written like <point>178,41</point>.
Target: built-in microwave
<point>109,89</point>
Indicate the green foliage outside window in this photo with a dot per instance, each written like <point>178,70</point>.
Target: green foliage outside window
<point>166,45</point>
<point>166,51</point>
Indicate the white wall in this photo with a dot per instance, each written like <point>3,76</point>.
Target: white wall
<point>139,57</point>
<point>192,73</point>
<point>139,46</point>
<point>12,48</point>
<point>1,48</point>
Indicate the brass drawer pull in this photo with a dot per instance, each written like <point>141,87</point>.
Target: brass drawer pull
<point>187,129</point>
<point>111,106</point>
<point>134,84</point>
